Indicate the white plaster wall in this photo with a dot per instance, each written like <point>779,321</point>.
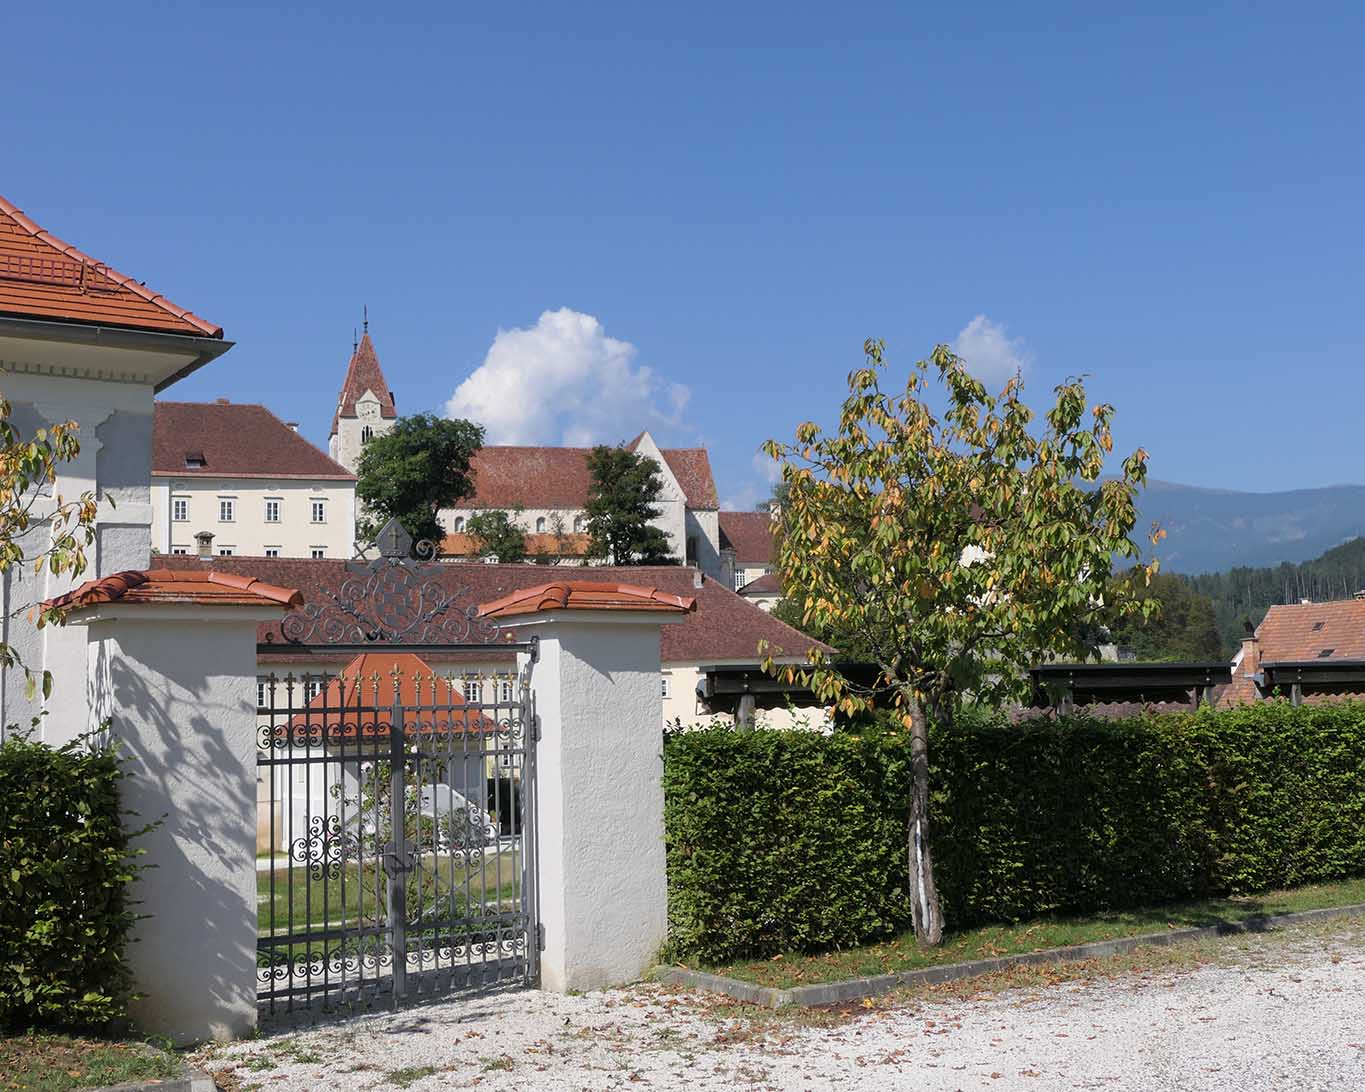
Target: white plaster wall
<point>123,537</point>
<point>703,524</point>
<point>178,685</point>
<point>525,519</point>
<point>345,445</point>
<point>295,535</point>
<point>599,791</point>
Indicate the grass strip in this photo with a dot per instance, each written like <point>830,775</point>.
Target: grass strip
<point>993,941</point>
<point>63,1063</point>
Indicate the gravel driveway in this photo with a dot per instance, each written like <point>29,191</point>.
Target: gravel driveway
<point>1284,1011</point>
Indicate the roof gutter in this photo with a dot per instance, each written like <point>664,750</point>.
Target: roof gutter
<point>204,349</point>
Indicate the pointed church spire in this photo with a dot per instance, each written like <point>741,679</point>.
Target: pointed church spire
<point>365,310</point>
<point>363,374</point>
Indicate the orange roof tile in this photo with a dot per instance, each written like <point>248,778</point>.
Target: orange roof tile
<point>586,595</point>
<point>177,586</point>
<point>43,277</point>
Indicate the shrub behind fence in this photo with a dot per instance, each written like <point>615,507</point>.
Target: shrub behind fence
<point>788,840</point>
<point>65,866</point>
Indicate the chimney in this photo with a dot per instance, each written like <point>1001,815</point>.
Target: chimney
<point>1359,594</point>
<point>222,402</point>
<point>1251,656</point>
<point>293,425</point>
<point>697,580</point>
<point>203,543</point>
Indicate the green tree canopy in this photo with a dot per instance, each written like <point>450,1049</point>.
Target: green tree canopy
<point>1182,626</point>
<point>414,470</point>
<point>958,547</point>
<point>621,502</point>
<point>498,535</point>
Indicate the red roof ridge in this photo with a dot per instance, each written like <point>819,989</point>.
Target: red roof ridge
<point>174,585</point>
<point>156,299</point>
<point>585,595</point>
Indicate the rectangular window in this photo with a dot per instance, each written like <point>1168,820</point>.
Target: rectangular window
<point>473,690</point>
<point>227,508</point>
<point>226,551</point>
<point>505,691</point>
<point>180,550</point>
<point>272,551</point>
<point>312,687</point>
<point>272,509</point>
<point>262,691</point>
<point>739,579</point>
<point>318,552</point>
<point>319,511</point>
<point>180,509</point>
<point>665,686</point>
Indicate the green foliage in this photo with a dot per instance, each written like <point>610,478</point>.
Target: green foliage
<point>414,470</point>
<point>1182,627</point>
<point>498,535</point>
<point>65,867</point>
<point>1243,594</point>
<point>794,841</point>
<point>625,487</point>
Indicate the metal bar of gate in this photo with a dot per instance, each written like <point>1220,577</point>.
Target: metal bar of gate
<point>397,900</point>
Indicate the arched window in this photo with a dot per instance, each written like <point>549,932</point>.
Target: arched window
<point>459,524</point>
<point>578,523</point>
<point>540,525</point>
<point>366,434</point>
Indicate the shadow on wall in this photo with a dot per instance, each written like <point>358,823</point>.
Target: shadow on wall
<point>191,772</point>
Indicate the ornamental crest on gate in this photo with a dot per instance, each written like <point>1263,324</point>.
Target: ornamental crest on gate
<point>397,597</point>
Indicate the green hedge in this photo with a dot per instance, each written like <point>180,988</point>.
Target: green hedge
<point>793,841</point>
<point>65,867</point>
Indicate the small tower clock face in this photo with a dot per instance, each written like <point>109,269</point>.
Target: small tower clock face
<point>368,410</point>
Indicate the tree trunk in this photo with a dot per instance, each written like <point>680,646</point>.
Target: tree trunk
<point>925,911</point>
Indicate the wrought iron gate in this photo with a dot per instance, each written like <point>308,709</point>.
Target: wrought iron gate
<point>398,813</point>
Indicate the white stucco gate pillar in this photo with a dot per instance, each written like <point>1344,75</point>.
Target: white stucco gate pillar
<point>599,821</point>
<point>172,668</point>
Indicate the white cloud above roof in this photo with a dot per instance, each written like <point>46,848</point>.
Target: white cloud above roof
<point>564,381</point>
<point>989,352</point>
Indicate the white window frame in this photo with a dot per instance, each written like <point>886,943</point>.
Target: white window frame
<point>262,691</point>
<point>458,525</point>
<point>278,504</point>
<point>540,525</point>
<point>318,506</point>
<point>740,580</point>
<point>180,551</point>
<point>227,551</point>
<point>504,691</point>
<point>272,551</point>
<point>666,687</point>
<point>228,505</point>
<point>180,509</point>
<point>317,553</point>
<point>472,689</point>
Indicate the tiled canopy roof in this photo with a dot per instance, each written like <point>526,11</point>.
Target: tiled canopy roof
<point>557,477</point>
<point>205,587</point>
<point>724,627</point>
<point>586,595</point>
<point>234,440</point>
<point>363,374</point>
<point>749,534</point>
<point>43,277</point>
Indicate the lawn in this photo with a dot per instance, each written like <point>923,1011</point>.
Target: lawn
<point>359,894</point>
<point>59,1063</point>
<point>903,954</point>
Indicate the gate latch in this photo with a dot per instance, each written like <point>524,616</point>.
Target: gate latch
<point>396,861</point>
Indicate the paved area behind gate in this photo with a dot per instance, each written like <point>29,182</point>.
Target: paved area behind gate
<point>1278,1011</point>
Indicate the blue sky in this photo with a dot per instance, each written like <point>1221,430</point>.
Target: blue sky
<point>690,217</point>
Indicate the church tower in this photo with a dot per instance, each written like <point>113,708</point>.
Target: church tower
<point>365,407</point>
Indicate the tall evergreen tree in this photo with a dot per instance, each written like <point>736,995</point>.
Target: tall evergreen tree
<point>621,503</point>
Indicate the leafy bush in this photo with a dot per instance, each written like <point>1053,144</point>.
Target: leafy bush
<point>790,841</point>
<point>65,867</point>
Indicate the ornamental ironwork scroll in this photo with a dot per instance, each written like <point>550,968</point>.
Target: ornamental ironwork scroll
<point>397,598</point>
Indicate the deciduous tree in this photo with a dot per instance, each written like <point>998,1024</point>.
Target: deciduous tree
<point>498,535</point>
<point>621,502</point>
<point>414,470</point>
<point>958,546</point>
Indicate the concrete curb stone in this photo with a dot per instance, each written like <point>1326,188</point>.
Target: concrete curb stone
<point>190,1080</point>
<point>855,989</point>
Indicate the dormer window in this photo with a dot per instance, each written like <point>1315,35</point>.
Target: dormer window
<point>194,460</point>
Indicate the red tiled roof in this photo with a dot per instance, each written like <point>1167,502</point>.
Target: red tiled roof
<point>570,544</point>
<point>586,595</point>
<point>1288,634</point>
<point>236,440</point>
<point>557,477</point>
<point>363,374</point>
<point>724,627</point>
<point>353,703</point>
<point>749,534</point>
<point>198,586</point>
<point>767,584</point>
<point>43,277</point>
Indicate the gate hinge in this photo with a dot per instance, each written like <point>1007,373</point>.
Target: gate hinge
<point>535,727</point>
<point>540,937</point>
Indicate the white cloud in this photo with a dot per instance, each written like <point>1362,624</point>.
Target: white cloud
<point>767,473</point>
<point>990,354</point>
<point>564,381</point>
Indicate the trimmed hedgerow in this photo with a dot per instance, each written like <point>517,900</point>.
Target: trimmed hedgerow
<point>792,841</point>
<point>65,867</point>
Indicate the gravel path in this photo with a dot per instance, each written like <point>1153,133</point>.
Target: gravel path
<point>1285,1011</point>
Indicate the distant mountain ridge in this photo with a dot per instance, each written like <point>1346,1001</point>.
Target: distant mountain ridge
<point>1212,530</point>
